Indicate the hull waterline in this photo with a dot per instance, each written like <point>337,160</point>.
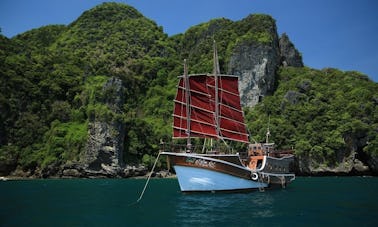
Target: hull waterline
<point>193,179</point>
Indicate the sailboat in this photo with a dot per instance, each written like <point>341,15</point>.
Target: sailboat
<point>207,107</point>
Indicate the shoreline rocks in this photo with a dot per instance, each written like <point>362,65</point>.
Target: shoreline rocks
<point>129,172</point>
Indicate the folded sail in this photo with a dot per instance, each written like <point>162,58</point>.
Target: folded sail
<point>202,104</point>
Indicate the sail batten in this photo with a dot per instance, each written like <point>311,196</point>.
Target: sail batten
<point>196,91</point>
<point>193,119</point>
<point>203,109</point>
<point>194,106</point>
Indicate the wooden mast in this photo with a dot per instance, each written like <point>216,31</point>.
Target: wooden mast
<point>216,71</point>
<point>187,102</point>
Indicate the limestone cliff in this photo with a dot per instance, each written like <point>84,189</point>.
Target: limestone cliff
<point>290,56</point>
<point>103,153</point>
<point>256,63</point>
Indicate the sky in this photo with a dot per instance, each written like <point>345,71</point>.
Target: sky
<point>339,34</point>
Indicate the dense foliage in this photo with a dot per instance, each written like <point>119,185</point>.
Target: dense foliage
<point>51,80</point>
<point>320,113</point>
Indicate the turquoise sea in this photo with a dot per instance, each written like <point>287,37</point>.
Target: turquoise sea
<point>308,201</point>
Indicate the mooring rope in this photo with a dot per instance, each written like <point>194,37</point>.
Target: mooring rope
<point>148,179</point>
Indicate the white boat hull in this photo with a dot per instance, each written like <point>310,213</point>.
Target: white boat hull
<point>193,179</point>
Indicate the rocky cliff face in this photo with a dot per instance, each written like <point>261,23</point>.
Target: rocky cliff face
<point>290,56</point>
<point>103,156</point>
<point>349,165</point>
<point>104,150</point>
<point>256,64</point>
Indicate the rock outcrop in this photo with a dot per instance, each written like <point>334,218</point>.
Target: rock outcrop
<point>104,150</point>
<point>290,56</point>
<point>351,160</point>
<point>350,165</point>
<point>256,63</point>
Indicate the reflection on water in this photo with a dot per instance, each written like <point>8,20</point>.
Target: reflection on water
<point>223,208</point>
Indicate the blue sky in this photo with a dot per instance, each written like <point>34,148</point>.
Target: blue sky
<point>341,34</point>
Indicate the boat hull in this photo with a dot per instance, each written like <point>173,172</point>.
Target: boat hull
<point>195,179</point>
<point>205,172</point>
<point>199,173</point>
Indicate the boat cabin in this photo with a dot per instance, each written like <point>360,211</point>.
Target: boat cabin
<point>260,149</point>
<point>256,153</point>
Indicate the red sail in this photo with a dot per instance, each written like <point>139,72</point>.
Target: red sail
<point>203,122</point>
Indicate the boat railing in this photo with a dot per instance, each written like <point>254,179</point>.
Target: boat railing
<point>179,148</point>
<point>200,149</point>
<point>280,153</point>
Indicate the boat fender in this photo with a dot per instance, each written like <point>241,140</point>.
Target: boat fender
<point>254,176</point>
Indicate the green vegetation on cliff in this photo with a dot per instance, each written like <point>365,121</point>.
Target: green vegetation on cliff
<point>52,77</point>
<point>320,113</point>
<point>51,82</point>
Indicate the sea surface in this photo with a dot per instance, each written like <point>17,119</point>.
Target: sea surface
<point>308,201</point>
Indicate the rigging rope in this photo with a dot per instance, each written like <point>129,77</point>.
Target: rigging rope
<point>148,179</point>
